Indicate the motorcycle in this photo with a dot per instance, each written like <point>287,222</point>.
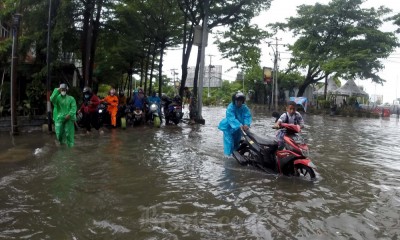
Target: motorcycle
<point>263,153</point>
<point>153,114</point>
<point>173,110</point>
<point>133,116</point>
<point>104,116</point>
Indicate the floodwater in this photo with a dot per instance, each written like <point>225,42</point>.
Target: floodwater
<point>174,183</point>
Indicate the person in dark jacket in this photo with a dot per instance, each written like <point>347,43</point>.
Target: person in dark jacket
<point>88,109</point>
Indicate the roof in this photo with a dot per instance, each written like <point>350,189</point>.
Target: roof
<point>330,88</point>
<point>350,89</point>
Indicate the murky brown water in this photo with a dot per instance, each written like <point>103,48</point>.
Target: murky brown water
<point>174,183</point>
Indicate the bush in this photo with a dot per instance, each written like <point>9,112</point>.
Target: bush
<point>35,91</point>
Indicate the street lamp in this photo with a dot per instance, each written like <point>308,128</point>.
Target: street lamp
<point>15,26</point>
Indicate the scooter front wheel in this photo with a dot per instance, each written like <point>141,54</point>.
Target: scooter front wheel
<point>123,123</point>
<point>157,121</point>
<point>304,171</point>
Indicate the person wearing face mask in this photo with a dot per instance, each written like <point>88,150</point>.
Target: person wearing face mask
<point>64,115</point>
<point>112,106</point>
<point>238,116</point>
<point>88,109</point>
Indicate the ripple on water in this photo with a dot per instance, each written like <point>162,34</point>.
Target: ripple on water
<point>173,182</point>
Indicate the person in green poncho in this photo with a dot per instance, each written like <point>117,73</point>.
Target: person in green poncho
<point>64,115</point>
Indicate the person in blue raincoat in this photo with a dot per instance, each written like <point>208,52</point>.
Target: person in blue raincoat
<point>238,117</point>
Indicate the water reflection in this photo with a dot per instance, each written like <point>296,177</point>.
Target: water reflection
<point>174,183</point>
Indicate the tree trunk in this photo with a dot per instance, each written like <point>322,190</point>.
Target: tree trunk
<point>160,82</point>
<point>196,71</point>
<point>187,48</point>
<point>151,71</point>
<point>93,42</point>
<point>87,15</point>
<point>147,65</point>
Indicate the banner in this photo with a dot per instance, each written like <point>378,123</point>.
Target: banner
<point>267,75</point>
<point>303,101</point>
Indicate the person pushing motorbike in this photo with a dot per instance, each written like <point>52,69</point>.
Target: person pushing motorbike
<point>64,115</point>
<point>291,116</point>
<point>238,116</point>
<point>112,106</point>
<point>88,109</point>
<point>138,102</point>
<point>154,99</point>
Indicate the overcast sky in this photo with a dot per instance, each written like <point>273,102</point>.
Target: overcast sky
<point>279,11</point>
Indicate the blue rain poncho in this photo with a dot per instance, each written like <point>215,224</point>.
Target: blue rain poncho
<point>230,126</point>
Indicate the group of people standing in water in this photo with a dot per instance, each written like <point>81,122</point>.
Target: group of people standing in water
<point>238,115</point>
<point>65,109</point>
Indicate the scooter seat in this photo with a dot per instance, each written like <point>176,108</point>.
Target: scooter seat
<point>267,141</point>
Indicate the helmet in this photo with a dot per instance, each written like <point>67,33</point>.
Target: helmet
<point>112,91</point>
<point>121,93</point>
<point>177,98</point>
<point>87,90</point>
<point>64,86</point>
<point>239,96</point>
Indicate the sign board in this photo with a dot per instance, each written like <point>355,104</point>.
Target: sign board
<point>212,79</point>
<point>267,75</point>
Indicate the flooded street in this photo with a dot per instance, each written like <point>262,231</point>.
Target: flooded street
<point>174,183</point>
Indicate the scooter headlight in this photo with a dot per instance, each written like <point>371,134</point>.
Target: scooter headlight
<point>304,152</point>
<point>153,107</point>
<point>100,110</point>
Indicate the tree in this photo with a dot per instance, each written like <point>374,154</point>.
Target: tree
<point>341,39</point>
<point>240,45</point>
<point>396,21</point>
<point>233,13</point>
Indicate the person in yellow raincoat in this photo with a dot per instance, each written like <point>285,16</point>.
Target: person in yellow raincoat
<point>64,115</point>
<point>112,106</point>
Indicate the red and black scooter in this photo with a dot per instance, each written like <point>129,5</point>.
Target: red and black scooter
<point>263,153</point>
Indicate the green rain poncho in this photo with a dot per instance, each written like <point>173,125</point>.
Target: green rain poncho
<point>63,106</point>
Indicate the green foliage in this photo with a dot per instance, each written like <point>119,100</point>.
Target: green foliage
<point>5,94</point>
<point>324,103</point>
<point>240,45</point>
<point>396,21</point>
<point>36,93</point>
<point>339,38</point>
<point>76,92</point>
<point>290,80</point>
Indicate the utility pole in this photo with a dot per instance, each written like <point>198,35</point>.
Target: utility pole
<point>275,89</point>
<point>209,75</point>
<point>14,63</point>
<point>48,83</point>
<point>204,36</point>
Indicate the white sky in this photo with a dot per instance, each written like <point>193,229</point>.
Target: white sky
<point>279,11</point>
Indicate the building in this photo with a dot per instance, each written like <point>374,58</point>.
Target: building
<point>5,31</point>
<point>212,76</point>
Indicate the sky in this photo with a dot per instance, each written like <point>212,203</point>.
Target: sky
<point>279,11</point>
